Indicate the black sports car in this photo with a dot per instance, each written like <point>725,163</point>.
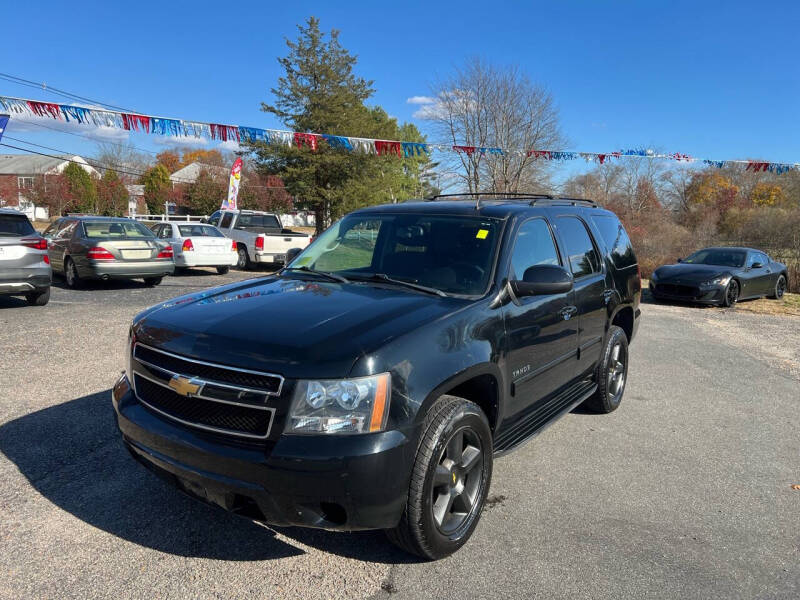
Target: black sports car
<point>720,276</point>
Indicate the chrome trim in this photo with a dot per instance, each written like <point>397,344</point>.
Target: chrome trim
<point>199,394</point>
<point>217,366</point>
<point>198,425</point>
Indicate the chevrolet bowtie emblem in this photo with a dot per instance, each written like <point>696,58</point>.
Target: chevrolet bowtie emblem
<point>184,386</point>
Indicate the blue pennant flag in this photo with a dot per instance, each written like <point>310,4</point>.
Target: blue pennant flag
<point>338,141</point>
<point>414,149</point>
<point>3,123</point>
<point>253,134</point>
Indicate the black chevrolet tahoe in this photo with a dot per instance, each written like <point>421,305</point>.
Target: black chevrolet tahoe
<point>371,382</point>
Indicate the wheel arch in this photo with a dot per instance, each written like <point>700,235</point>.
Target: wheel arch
<point>623,318</point>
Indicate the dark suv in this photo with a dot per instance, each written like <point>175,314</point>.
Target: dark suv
<point>370,383</point>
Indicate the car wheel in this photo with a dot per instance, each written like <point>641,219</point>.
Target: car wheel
<point>780,288</point>
<point>152,281</point>
<point>39,299</point>
<point>71,277</point>
<point>731,293</point>
<point>611,373</point>
<point>450,480</point>
<point>223,270</point>
<point>244,260</point>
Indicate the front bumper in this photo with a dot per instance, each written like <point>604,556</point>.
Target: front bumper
<point>329,482</point>
<point>131,270</point>
<point>699,294</point>
<point>25,281</point>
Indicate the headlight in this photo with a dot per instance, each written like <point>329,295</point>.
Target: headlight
<point>719,280</point>
<point>358,405</point>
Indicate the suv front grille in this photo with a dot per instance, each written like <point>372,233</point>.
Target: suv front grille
<point>213,398</point>
<point>270,384</point>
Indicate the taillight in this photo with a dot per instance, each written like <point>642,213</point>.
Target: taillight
<point>35,243</point>
<point>99,253</point>
<point>233,245</point>
<point>311,240</point>
<point>165,253</point>
<point>259,243</point>
<point>46,259</point>
<point>187,245</point>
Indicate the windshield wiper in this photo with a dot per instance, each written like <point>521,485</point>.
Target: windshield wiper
<point>331,276</point>
<point>384,278</point>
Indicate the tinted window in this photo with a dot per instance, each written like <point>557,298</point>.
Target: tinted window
<point>722,257</point>
<point>226,220</point>
<point>199,231</point>
<point>616,238</point>
<point>534,246</point>
<point>66,229</point>
<point>166,232</point>
<point>214,219</point>
<point>265,221</point>
<point>582,257</point>
<point>15,225</point>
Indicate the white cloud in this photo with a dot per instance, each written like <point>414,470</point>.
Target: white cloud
<point>26,123</point>
<point>181,141</point>
<point>231,145</point>
<point>421,100</point>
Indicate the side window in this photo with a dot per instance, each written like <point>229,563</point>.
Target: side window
<point>757,257</point>
<point>166,232</point>
<point>582,256</point>
<point>226,220</point>
<point>616,238</point>
<point>66,231</point>
<point>214,219</point>
<point>51,231</point>
<point>533,246</point>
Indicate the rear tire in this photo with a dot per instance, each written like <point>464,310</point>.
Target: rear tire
<point>611,373</point>
<point>780,288</point>
<point>223,270</point>
<point>449,482</point>
<point>71,277</point>
<point>38,299</point>
<point>243,262</point>
<point>152,281</point>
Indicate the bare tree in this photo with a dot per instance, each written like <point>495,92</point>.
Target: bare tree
<point>483,106</point>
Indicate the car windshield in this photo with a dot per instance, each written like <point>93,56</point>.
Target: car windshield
<point>199,231</point>
<point>453,254</point>
<point>718,256</point>
<point>117,229</point>
<point>15,225</point>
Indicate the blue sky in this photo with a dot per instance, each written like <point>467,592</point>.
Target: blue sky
<point>710,79</point>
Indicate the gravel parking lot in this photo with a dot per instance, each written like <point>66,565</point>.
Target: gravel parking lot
<point>685,491</point>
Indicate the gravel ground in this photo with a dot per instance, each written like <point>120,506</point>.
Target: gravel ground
<point>685,491</point>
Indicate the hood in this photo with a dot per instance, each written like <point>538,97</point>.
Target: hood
<point>689,273</point>
<point>296,328</point>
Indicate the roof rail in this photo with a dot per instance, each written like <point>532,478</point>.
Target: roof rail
<point>513,196</point>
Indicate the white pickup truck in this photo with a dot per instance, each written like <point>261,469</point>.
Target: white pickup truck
<point>260,237</point>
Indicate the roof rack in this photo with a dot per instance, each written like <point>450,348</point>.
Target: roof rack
<point>531,199</point>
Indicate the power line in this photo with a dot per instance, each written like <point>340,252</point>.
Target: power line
<point>54,90</point>
<point>88,137</point>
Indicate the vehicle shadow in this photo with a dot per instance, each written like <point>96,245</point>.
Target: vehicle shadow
<point>12,302</point>
<point>72,454</point>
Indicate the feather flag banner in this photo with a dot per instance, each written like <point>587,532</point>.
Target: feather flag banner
<point>153,125</point>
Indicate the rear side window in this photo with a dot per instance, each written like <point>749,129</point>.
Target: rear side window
<point>534,246</point>
<point>226,220</point>
<point>617,240</point>
<point>266,221</point>
<point>214,219</point>
<point>15,225</point>
<point>582,256</point>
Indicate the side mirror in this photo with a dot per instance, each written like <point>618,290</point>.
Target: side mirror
<point>292,253</point>
<point>680,260</point>
<point>756,265</point>
<point>541,280</point>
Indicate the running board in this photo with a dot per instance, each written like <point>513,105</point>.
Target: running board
<point>534,423</point>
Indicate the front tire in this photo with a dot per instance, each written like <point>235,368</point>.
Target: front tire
<point>611,373</point>
<point>731,294</point>
<point>38,299</point>
<point>780,288</point>
<point>71,277</point>
<point>450,480</point>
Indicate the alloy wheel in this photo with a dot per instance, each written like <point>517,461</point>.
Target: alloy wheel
<point>733,292</point>
<point>242,258</point>
<point>780,288</point>
<point>616,371</point>
<point>71,274</point>
<point>457,481</point>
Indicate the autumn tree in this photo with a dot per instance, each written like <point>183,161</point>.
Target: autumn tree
<point>205,195</point>
<point>112,195</point>
<point>157,188</point>
<point>51,192</point>
<point>767,194</point>
<point>206,157</point>
<point>170,159</point>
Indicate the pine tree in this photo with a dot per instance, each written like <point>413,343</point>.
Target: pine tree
<point>319,93</point>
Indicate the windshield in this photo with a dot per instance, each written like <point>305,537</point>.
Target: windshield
<point>718,256</point>
<point>117,229</point>
<point>15,225</point>
<point>199,231</point>
<point>453,254</point>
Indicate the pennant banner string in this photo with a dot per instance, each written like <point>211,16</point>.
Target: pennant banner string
<point>102,117</point>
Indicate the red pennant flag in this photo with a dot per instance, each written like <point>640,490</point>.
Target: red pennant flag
<point>468,150</point>
<point>134,122</point>
<point>306,139</point>
<point>383,147</point>
<point>45,109</point>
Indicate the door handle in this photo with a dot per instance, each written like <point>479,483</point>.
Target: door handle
<point>567,312</point>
